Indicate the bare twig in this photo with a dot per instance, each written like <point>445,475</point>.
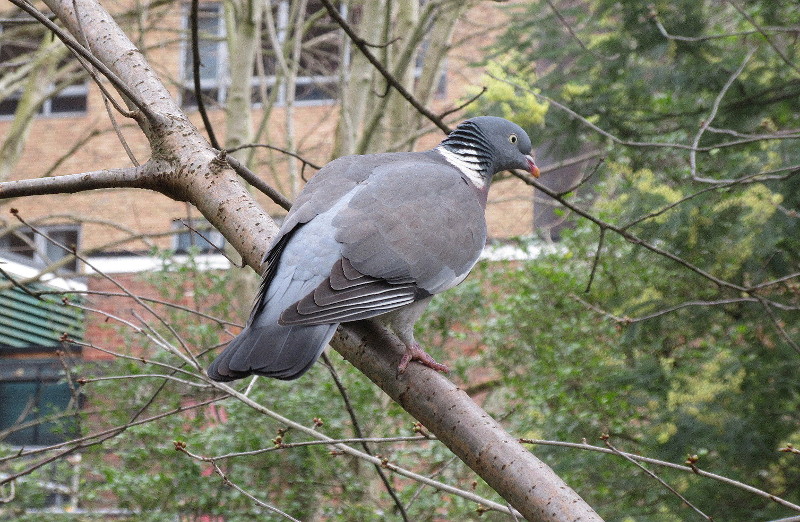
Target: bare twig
<point>778,326</point>
<point>198,91</point>
<point>462,106</point>
<point>714,108</point>
<point>596,260</point>
<point>250,177</point>
<point>765,36</point>
<point>359,454</point>
<point>278,149</point>
<point>571,31</point>
<point>687,469</point>
<point>357,430</point>
<point>93,439</point>
<point>261,503</point>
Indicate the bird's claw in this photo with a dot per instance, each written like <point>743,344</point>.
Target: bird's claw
<point>415,353</point>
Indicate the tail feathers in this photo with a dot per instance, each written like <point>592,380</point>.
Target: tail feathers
<point>281,352</point>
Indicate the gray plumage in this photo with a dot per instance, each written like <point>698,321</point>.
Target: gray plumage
<point>373,235</point>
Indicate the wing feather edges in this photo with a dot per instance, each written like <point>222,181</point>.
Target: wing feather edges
<point>349,295</point>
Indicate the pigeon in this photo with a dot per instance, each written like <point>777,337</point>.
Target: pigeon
<point>373,236</point>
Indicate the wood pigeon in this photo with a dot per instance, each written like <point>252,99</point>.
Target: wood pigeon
<point>373,236</point>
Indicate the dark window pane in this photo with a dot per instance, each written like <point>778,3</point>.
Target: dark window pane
<point>8,106</point>
<point>210,49</point>
<point>19,403</point>
<point>68,103</point>
<point>36,250</point>
<point>315,91</point>
<point>20,243</point>
<point>189,100</point>
<point>255,96</point>
<point>31,401</point>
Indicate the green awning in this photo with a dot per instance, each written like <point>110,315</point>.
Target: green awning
<point>28,321</point>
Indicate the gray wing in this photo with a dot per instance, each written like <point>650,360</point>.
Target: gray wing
<point>411,230</point>
<point>424,224</point>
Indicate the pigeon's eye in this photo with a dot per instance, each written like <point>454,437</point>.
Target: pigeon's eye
<point>512,138</point>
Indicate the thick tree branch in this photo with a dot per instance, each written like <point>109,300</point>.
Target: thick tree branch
<point>131,177</point>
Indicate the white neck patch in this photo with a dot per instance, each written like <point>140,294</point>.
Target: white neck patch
<point>466,168</point>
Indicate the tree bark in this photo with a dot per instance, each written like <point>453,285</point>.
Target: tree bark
<point>185,168</point>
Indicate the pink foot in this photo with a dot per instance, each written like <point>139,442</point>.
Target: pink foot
<point>415,353</point>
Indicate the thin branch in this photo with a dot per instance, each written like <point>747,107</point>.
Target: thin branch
<point>92,439</point>
<point>71,151</point>
<point>108,100</point>
<point>261,503</point>
<point>198,91</point>
<point>596,260</point>
<point>357,430</point>
<point>217,249</point>
<point>572,33</point>
<point>656,477</point>
<point>668,36</point>
<point>467,103</point>
<point>713,114</point>
<point>359,454</point>
<point>250,177</point>
<point>693,469</point>
<point>630,143</point>
<point>191,358</point>
<point>279,149</point>
<point>778,326</point>
<point>302,444</point>
<point>775,281</point>
<point>434,474</point>
<point>765,36</point>
<point>586,178</point>
<point>185,382</point>
<point>530,180</point>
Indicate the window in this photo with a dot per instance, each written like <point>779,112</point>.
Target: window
<point>318,67</point>
<point>18,42</point>
<point>187,239</point>
<point>38,406</point>
<point>26,246</point>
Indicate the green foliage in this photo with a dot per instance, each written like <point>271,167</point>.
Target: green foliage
<point>716,380</point>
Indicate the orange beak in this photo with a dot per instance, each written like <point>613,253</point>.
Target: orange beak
<point>532,167</point>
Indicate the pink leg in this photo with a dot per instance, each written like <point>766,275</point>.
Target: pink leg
<point>415,353</point>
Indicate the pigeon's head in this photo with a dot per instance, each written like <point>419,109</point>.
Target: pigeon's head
<point>488,144</point>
